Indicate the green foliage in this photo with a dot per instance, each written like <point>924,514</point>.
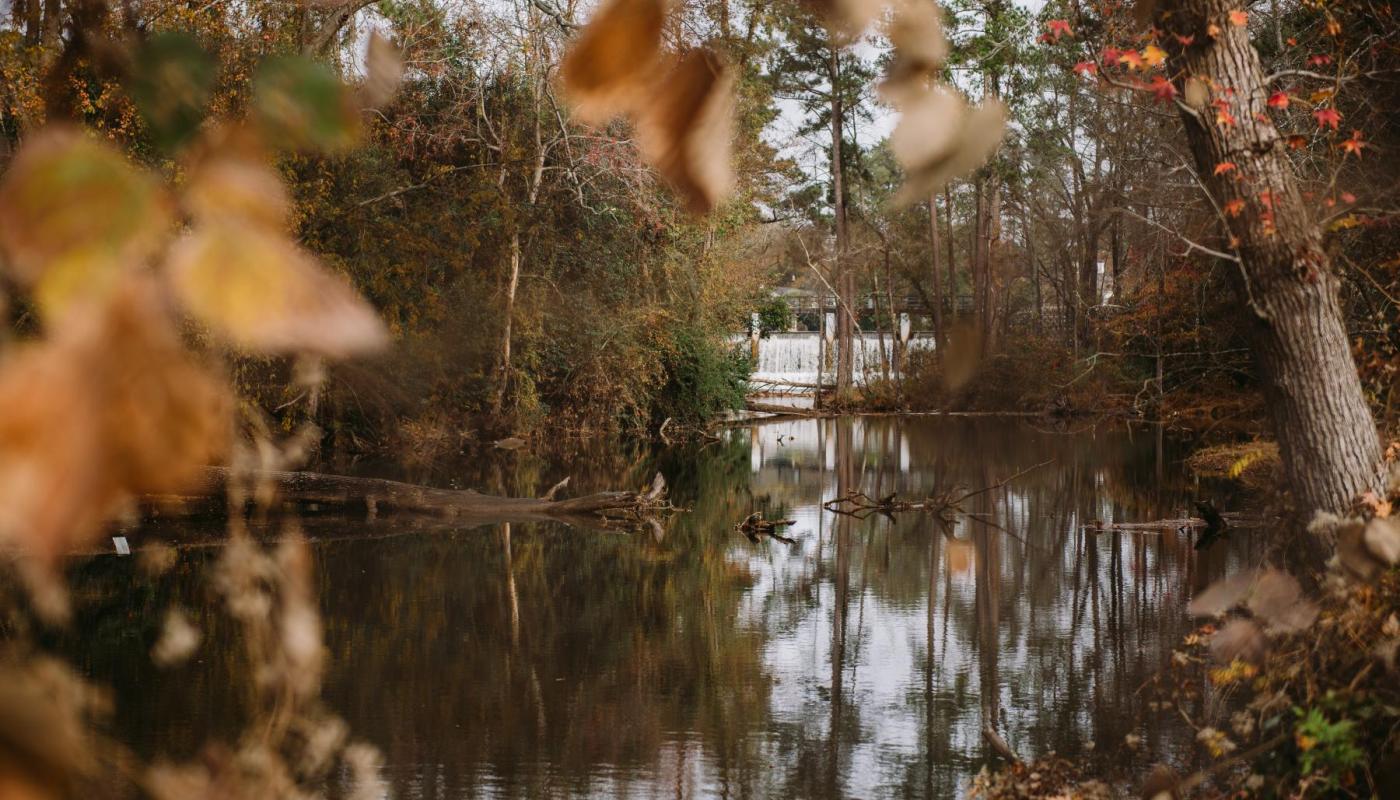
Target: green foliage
<point>704,376</point>
<point>1326,747</point>
<point>775,315</point>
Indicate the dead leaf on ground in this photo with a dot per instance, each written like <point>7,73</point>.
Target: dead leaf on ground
<point>608,68</point>
<point>684,129</point>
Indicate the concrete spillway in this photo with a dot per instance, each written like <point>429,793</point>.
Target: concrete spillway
<point>795,357</point>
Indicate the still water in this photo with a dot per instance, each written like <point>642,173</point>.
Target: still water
<point>542,660</point>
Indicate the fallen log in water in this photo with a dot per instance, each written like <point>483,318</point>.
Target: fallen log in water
<point>375,496</point>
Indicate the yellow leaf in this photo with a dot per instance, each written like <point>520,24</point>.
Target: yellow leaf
<point>263,293</point>
<point>73,215</point>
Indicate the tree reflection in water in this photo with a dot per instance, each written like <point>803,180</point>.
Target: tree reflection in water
<point>541,660</point>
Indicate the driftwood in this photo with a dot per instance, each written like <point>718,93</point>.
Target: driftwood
<point>316,492</point>
<point>784,411</point>
<point>862,505</point>
<point>754,525</point>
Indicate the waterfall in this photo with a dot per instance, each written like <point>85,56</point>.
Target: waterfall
<point>794,357</point>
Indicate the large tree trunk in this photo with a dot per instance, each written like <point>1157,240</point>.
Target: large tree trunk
<point>1285,281</point>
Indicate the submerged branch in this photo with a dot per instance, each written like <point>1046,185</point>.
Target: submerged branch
<point>316,491</point>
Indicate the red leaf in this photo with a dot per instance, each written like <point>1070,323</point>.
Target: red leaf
<point>1235,207</point>
<point>1224,167</point>
<point>1278,100</point>
<point>1162,89</point>
<point>1327,117</point>
<point>1239,18</point>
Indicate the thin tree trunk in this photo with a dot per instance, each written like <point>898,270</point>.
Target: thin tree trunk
<point>1285,281</point>
<point>513,279</point>
<point>990,260</point>
<point>952,262</point>
<point>938,340</point>
<point>845,280</point>
<point>977,263</point>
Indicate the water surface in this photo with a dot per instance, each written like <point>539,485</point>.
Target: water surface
<point>542,660</point>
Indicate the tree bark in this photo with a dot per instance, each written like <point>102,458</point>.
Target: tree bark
<point>845,280</point>
<point>952,262</point>
<point>1285,280</point>
<point>937,299</point>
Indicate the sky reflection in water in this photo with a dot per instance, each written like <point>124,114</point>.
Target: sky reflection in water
<point>538,660</point>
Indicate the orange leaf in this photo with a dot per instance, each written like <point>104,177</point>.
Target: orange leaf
<point>609,65</point>
<point>1224,167</point>
<point>1353,145</point>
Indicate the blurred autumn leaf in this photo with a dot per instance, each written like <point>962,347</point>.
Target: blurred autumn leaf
<point>611,62</point>
<point>263,293</point>
<point>303,105</point>
<point>171,81</point>
<point>74,214</point>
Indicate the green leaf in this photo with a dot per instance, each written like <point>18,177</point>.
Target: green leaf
<point>302,104</point>
<point>171,82</point>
